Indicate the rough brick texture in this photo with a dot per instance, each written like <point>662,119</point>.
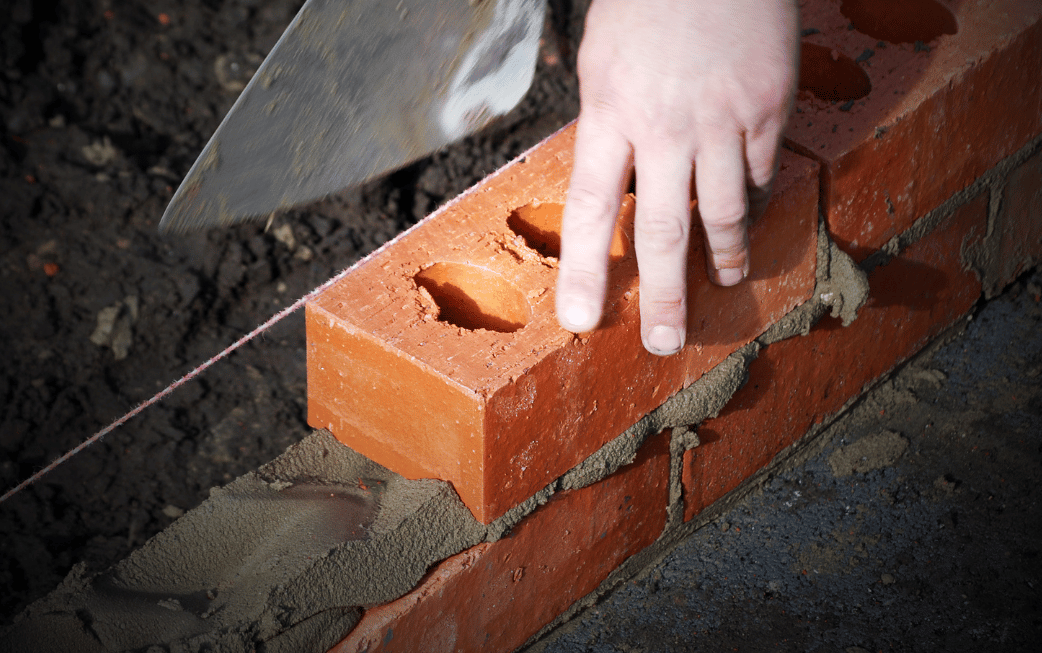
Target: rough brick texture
<point>939,113</point>
<point>440,356</point>
<point>493,597</point>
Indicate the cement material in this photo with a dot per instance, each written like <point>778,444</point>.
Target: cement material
<point>233,573</point>
<point>842,288</point>
<point>858,542</point>
<point>870,453</point>
<point>280,559</point>
<point>989,267</point>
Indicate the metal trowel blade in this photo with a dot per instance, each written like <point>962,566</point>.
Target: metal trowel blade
<point>354,89</point>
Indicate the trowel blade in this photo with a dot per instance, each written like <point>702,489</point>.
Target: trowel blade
<point>353,89</point>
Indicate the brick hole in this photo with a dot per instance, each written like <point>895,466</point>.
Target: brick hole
<point>900,21</point>
<point>539,223</point>
<point>831,75</point>
<point>540,226</point>
<point>472,298</point>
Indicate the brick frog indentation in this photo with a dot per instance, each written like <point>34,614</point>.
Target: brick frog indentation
<point>471,297</point>
<point>539,224</point>
<point>900,21</point>
<point>831,75</point>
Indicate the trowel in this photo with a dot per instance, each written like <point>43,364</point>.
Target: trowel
<point>354,89</point>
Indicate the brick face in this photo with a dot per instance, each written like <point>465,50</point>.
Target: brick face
<point>495,596</point>
<point>796,383</point>
<point>502,413</point>
<point>935,120</point>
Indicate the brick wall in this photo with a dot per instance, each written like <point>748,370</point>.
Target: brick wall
<point>915,140</point>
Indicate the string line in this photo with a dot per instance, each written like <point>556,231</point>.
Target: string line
<point>173,386</point>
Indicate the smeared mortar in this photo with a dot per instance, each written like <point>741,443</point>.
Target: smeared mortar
<point>280,559</point>
<point>841,287</point>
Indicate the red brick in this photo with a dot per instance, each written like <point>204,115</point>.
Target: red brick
<point>501,414</point>
<point>796,383</point>
<point>933,122</point>
<point>495,596</point>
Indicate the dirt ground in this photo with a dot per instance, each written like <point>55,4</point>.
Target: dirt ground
<point>105,106</point>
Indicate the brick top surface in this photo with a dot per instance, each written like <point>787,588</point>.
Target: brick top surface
<point>382,296</point>
<point>902,75</point>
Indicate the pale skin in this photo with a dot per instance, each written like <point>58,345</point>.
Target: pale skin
<point>668,86</point>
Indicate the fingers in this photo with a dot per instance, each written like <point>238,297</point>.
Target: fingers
<point>601,170</point>
<point>720,177</point>
<point>761,155</point>
<point>663,224</point>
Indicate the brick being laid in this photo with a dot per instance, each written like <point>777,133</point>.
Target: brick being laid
<point>440,355</point>
<point>907,103</point>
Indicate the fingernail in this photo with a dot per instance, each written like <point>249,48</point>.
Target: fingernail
<point>577,318</point>
<point>664,340</point>
<point>729,276</point>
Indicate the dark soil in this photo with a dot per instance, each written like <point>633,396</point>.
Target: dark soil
<point>104,107</point>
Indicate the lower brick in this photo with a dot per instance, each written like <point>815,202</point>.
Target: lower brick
<point>494,596</point>
<point>798,382</point>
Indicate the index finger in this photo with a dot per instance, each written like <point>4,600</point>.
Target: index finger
<point>603,159</point>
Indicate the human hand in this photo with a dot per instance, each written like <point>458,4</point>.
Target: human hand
<point>666,85</point>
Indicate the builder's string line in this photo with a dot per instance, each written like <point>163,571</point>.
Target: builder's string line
<point>173,386</point>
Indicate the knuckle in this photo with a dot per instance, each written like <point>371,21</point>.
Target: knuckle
<point>590,209</point>
<point>600,104</point>
<point>761,151</point>
<point>761,174</point>
<point>581,280</point>
<point>768,99</point>
<point>727,217</point>
<point>730,257</point>
<point>661,305</point>
<point>667,123</point>
<point>662,302</point>
<point>715,120</point>
<point>663,230</point>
